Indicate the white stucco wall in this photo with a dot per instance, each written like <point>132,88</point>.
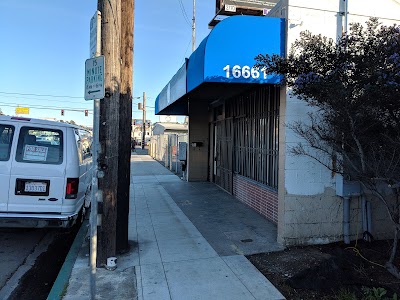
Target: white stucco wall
<point>309,211</point>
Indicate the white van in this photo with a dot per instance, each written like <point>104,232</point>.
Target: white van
<point>45,173</point>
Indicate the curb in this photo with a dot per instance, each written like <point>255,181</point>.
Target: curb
<point>62,279</point>
<point>12,283</point>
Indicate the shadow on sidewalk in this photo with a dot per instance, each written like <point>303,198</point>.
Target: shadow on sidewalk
<point>139,151</point>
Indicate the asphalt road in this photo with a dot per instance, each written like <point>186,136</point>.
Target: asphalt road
<point>19,249</point>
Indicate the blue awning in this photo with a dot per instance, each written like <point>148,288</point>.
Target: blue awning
<point>224,57</point>
<point>174,90</point>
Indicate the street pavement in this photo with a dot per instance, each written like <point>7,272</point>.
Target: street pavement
<point>188,241</point>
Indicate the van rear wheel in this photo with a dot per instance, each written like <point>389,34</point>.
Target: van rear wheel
<point>81,216</point>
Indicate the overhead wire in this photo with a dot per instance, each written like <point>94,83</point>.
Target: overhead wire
<point>53,108</point>
<point>41,106</point>
<point>184,55</point>
<point>11,95</point>
<point>184,12</point>
<point>190,24</point>
<point>40,95</point>
<point>61,108</point>
<point>40,99</point>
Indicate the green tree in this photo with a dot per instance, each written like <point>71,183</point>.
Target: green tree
<point>353,127</point>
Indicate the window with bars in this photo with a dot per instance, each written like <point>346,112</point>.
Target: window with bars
<point>256,134</point>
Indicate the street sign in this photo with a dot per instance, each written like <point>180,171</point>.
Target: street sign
<point>94,78</point>
<point>22,110</point>
<point>95,37</point>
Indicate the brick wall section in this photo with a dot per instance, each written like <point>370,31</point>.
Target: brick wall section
<point>258,196</point>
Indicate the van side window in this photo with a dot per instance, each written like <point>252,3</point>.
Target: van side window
<point>6,138</point>
<point>78,145</point>
<point>40,145</point>
<point>86,143</point>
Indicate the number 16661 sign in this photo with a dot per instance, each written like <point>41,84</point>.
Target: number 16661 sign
<point>94,78</point>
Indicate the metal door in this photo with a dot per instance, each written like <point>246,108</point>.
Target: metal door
<point>223,153</point>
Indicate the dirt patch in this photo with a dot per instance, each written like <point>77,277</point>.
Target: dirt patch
<point>325,271</point>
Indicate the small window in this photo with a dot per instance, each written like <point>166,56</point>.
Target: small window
<point>40,145</point>
<point>6,138</point>
<point>86,143</point>
<point>78,145</point>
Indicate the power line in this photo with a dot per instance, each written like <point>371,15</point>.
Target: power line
<point>41,95</point>
<point>39,99</point>
<point>184,12</point>
<point>10,95</point>
<point>41,106</point>
<point>184,56</point>
<point>48,107</point>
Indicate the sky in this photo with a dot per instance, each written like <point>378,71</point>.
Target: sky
<point>44,45</point>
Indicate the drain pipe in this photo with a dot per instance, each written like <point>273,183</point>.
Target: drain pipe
<point>366,218</point>
<point>346,220</point>
<point>369,220</point>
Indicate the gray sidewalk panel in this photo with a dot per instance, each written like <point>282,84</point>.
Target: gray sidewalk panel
<point>146,234</point>
<point>153,285</point>
<point>167,219</point>
<point>149,253</point>
<point>254,281</point>
<point>185,249</point>
<point>204,279</point>
<point>172,232</point>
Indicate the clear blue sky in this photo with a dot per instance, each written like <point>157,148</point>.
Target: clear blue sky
<point>45,44</point>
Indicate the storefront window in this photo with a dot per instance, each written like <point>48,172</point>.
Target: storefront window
<point>256,128</point>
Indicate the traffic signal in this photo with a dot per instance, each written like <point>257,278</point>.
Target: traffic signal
<point>86,112</point>
<point>62,112</point>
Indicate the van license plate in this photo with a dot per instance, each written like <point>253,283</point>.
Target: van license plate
<point>35,187</point>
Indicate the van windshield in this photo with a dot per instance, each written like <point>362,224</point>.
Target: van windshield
<point>40,145</point>
<point>6,137</point>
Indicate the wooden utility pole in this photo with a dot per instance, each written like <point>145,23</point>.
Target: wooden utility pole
<point>109,128</point>
<point>125,124</point>
<point>144,120</point>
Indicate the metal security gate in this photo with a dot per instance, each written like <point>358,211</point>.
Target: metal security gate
<point>246,138</point>
<point>223,154</point>
<point>256,135</point>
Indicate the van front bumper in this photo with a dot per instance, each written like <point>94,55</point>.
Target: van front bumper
<point>18,220</point>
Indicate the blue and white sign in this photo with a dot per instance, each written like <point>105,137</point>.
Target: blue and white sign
<point>228,53</point>
<point>94,78</point>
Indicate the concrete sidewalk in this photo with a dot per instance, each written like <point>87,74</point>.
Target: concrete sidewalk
<point>170,258</point>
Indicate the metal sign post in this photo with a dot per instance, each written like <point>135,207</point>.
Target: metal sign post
<point>94,90</point>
